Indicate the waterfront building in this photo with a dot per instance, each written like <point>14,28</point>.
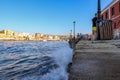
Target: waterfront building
<point>64,37</point>
<point>6,35</point>
<point>7,32</point>
<point>56,38</point>
<point>2,34</point>
<point>112,12</point>
<point>31,37</point>
<point>21,36</point>
<point>45,37</point>
<point>50,37</point>
<point>37,36</point>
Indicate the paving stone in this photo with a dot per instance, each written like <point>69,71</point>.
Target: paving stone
<point>100,61</point>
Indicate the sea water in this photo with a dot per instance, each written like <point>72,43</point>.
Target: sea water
<point>34,60</point>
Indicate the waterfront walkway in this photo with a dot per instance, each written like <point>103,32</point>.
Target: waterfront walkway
<point>96,61</point>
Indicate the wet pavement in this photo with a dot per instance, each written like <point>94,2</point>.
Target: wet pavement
<point>96,64</point>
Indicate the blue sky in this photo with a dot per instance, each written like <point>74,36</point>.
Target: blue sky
<point>48,16</point>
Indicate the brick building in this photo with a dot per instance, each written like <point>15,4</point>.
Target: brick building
<point>112,12</point>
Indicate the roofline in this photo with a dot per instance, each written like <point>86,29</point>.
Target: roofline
<point>109,5</point>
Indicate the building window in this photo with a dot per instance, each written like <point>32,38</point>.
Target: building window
<point>102,17</point>
<point>114,25</point>
<point>112,11</point>
<point>119,7</point>
<point>106,15</point>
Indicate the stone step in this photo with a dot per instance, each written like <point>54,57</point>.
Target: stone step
<point>95,46</point>
<point>98,51</point>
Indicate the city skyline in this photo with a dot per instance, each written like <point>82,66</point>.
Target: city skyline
<point>9,35</point>
<point>48,16</point>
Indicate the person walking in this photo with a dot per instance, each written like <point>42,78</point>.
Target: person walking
<point>94,28</point>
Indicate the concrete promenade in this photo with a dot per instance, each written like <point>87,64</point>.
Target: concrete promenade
<point>96,61</point>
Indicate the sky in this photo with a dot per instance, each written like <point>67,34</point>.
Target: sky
<point>48,16</point>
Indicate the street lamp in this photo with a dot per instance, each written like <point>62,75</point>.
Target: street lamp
<point>70,34</point>
<point>98,19</point>
<point>74,28</point>
<point>74,34</point>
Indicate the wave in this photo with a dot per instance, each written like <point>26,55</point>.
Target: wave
<point>38,61</point>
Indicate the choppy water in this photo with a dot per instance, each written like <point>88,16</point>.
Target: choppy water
<point>34,60</point>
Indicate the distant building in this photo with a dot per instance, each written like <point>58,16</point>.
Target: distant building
<point>31,37</point>
<point>50,37</point>
<point>2,34</point>
<point>112,12</point>
<point>7,32</point>
<point>6,35</point>
<point>37,36</point>
<point>21,36</point>
<point>56,38</point>
<point>45,37</point>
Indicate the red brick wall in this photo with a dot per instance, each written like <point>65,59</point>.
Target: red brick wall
<point>116,8</point>
<point>115,17</point>
<point>104,15</point>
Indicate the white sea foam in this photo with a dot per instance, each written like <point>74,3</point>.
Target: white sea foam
<point>58,74</point>
<point>62,55</point>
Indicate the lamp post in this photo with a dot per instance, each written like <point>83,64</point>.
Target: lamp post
<point>98,19</point>
<point>74,28</point>
<point>74,35</point>
<point>70,34</point>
